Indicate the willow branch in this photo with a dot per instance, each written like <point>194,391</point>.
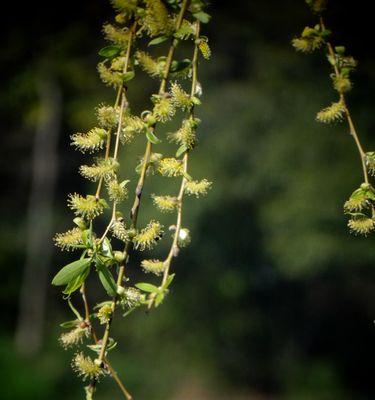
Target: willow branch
<point>119,97</point>
<point>352,128</point>
<point>174,247</point>
<point>122,100</point>
<point>95,338</point>
<point>139,189</point>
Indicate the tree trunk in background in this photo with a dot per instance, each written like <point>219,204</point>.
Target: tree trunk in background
<point>29,331</point>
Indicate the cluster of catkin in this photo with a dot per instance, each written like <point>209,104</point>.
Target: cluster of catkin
<point>360,205</point>
<point>142,28</point>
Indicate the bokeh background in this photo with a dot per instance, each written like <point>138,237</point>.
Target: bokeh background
<point>274,299</point>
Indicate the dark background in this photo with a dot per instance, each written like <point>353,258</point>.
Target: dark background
<point>274,299</point>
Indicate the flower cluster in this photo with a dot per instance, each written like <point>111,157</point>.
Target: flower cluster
<point>148,236</point>
<point>69,240</point>
<point>139,24</point>
<point>91,141</point>
<point>73,337</point>
<point>87,368</point>
<point>360,206</point>
<point>154,266</point>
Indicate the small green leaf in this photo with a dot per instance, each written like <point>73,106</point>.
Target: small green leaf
<point>159,299</point>
<point>331,60</point>
<point>106,279</point>
<point>76,283</point>
<point>202,17</point>
<point>151,137</point>
<point>109,51</point>
<point>69,324</point>
<point>104,203</point>
<point>107,248</point>
<point>87,238</point>
<point>158,40</point>
<point>147,287</point>
<point>325,33</point>
<point>71,272</point>
<point>340,50</point>
<point>128,312</point>
<point>187,176</point>
<point>103,303</point>
<point>181,150</point>
<point>169,280</point>
<point>178,66</point>
<point>97,347</point>
<point>75,311</point>
<point>128,76</point>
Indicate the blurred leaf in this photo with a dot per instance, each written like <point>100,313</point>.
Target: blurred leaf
<point>152,137</point>
<point>181,150</point>
<point>110,51</point>
<point>178,66</point>
<point>128,76</point>
<point>202,17</point>
<point>158,40</point>
<point>69,324</point>
<point>147,287</point>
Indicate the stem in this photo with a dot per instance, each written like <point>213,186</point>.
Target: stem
<point>94,336</point>
<point>119,98</point>
<point>348,116</point>
<point>85,303</point>
<point>140,185</point>
<point>127,395</point>
<point>124,105</point>
<point>174,247</point>
<point>173,47</point>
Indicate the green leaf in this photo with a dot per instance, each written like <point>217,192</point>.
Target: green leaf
<point>76,283</point>
<point>181,150</point>
<point>169,280</point>
<point>325,33</point>
<point>104,203</point>
<point>187,176</point>
<point>128,76</point>
<point>159,299</point>
<point>106,279</point>
<point>340,50</point>
<point>69,324</point>
<point>331,60</point>
<point>202,17</point>
<point>151,137</point>
<point>178,66</point>
<point>147,287</point>
<point>107,248</point>
<point>87,238</point>
<point>75,311</point>
<point>103,303</point>
<point>71,272</point>
<point>109,51</point>
<point>158,40</point>
<point>97,347</point>
<point>129,311</point>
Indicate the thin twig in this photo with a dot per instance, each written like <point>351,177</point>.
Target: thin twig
<point>95,338</point>
<point>174,247</point>
<point>348,116</point>
<point>141,181</point>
